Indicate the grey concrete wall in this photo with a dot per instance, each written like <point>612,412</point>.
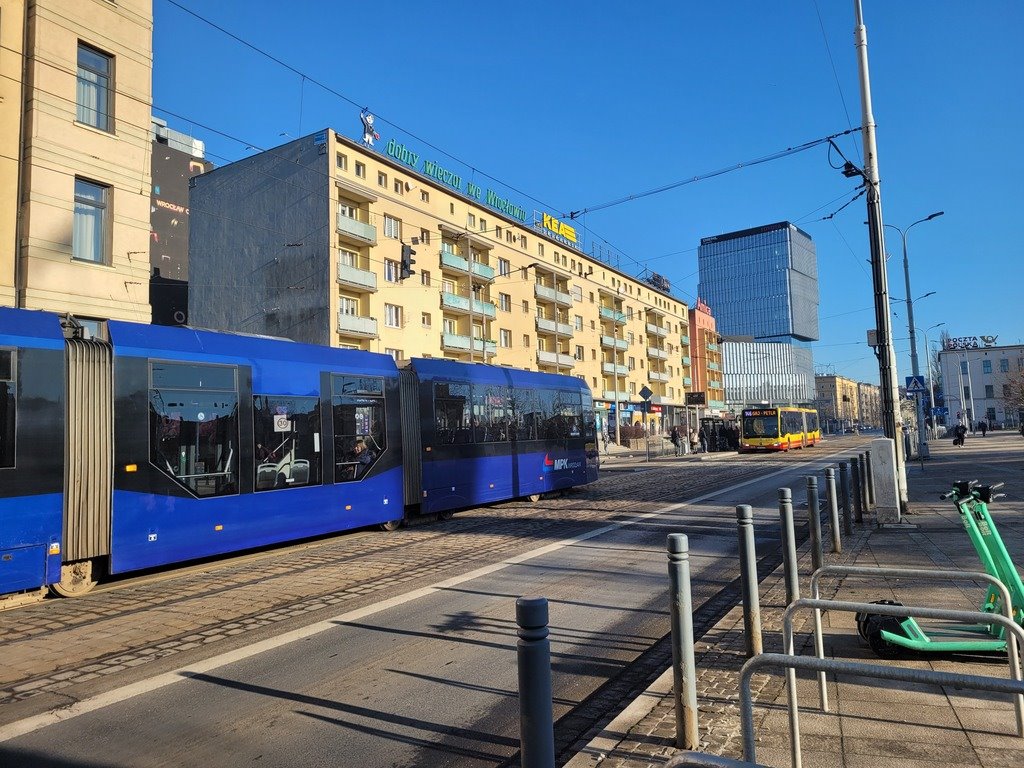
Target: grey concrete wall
<point>259,244</point>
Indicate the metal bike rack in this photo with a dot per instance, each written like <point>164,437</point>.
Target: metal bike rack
<point>903,674</point>
<point>919,573</point>
<point>966,617</point>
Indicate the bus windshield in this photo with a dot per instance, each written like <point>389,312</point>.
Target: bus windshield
<point>761,426</point>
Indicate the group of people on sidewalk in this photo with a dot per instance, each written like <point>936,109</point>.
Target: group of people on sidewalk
<point>697,439</point>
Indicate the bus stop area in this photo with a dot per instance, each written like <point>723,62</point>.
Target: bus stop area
<point>871,722</point>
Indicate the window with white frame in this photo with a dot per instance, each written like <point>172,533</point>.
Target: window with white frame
<point>392,227</point>
<point>392,316</point>
<point>396,354</point>
<point>93,91</point>
<point>505,337</point>
<point>392,272</point>
<point>341,162</point>
<point>382,179</point>
<point>425,319</point>
<point>504,267</point>
<point>348,306</point>
<point>348,258</point>
<point>504,302</point>
<point>91,220</point>
<point>360,170</point>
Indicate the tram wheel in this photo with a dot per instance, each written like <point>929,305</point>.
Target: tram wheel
<point>391,525</point>
<point>533,498</point>
<point>448,514</point>
<point>76,579</point>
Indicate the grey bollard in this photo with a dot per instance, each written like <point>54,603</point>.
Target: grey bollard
<point>833,509</point>
<point>865,502</point>
<point>858,510</point>
<point>844,490</point>
<point>815,521</point>
<point>684,668</point>
<point>533,651</point>
<point>789,545</point>
<point>871,479</point>
<point>748,580</point>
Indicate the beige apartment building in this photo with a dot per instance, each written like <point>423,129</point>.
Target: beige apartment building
<point>79,124</point>
<point>869,399</point>
<point>306,241</point>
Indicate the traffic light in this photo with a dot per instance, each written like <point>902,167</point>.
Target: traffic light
<point>406,269</point>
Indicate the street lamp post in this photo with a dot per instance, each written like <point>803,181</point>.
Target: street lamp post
<point>922,442</point>
<point>931,378</point>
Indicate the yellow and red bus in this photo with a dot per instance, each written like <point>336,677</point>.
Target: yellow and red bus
<point>779,428</point>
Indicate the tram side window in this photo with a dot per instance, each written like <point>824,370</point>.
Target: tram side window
<point>547,425</point>
<point>8,400</point>
<point>589,421</point>
<point>491,414</point>
<point>524,414</point>
<point>452,417</point>
<point>567,415</point>
<point>286,433</point>
<point>359,435</point>
<point>193,426</point>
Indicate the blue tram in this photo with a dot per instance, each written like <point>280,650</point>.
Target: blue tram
<point>170,444</point>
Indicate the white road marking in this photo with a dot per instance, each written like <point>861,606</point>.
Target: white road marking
<point>126,692</point>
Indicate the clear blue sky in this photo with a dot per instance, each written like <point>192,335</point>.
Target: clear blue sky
<point>575,104</point>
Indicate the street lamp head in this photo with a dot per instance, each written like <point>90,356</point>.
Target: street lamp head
<point>936,215</point>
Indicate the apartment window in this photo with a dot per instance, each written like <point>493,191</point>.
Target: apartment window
<point>632,388</point>
<point>89,232</point>
<point>470,220</point>
<point>577,293</point>
<point>630,338</point>
<point>986,366</point>
<point>591,297</point>
<point>526,340</point>
<point>505,338</point>
<point>448,325</point>
<point>424,196</point>
<point>382,179</point>
<point>526,306</point>
<point>425,236</point>
<point>348,306</point>
<point>399,187</point>
<point>967,393</point>
<point>497,232</point>
<point>1004,365</point>
<point>1006,390</point>
<point>483,224</point>
<point>963,367</point>
<point>579,353</point>
<point>504,267</point>
<point>578,322</point>
<point>93,92</point>
<point>341,161</point>
<point>425,277</point>
<point>392,227</point>
<point>451,208</point>
<point>629,313</point>
<point>348,258</point>
<point>593,354</point>
<point>504,302</point>
<point>522,242</point>
<point>347,208</point>
<point>360,170</point>
<point>448,286</point>
<point>593,325</point>
<point>391,271</point>
<point>632,363</point>
<point>540,249</point>
<point>396,354</point>
<point>509,236</point>
<point>990,391</point>
<point>425,319</point>
<point>392,316</point>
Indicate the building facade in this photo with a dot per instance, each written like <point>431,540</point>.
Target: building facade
<point>177,157</point>
<point>82,230</point>
<point>707,365</point>
<point>869,397</point>
<point>310,237</point>
<point>763,285</point>
<point>838,401</point>
<point>12,37</point>
<point>981,383</point>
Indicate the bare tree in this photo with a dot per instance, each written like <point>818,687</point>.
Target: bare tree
<point>1011,385</point>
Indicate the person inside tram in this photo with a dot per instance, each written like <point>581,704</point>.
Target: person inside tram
<point>361,456</point>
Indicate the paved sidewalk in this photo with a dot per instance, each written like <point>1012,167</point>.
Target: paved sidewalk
<point>872,723</point>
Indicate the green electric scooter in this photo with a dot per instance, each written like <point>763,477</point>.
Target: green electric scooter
<point>889,636</point>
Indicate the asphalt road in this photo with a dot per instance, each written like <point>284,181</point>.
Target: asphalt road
<point>428,678</point>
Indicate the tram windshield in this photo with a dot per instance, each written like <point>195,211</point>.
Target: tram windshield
<point>7,408</point>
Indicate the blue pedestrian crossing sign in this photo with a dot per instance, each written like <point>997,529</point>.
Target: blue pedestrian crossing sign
<point>915,385</point>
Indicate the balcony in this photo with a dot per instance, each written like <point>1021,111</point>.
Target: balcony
<point>456,343</point>
<point>607,313</point>
<point>461,304</point>
<point>715,384</point>
<point>364,234</point>
<point>610,394</point>
<point>553,326</point>
<point>544,293</point>
<point>357,278</point>
<point>684,340</point>
<point>712,347</point>
<point>452,262</point>
<point>657,376</point>
<point>656,330</point>
<point>716,403</point>
<point>353,325</point>
<point>610,342</point>
<point>687,381</point>
<point>556,359</point>
<point>714,366</point>
<point>657,354</point>
<point>612,369</point>
<point>686,359</point>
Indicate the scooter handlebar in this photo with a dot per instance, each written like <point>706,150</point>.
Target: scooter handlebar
<point>948,495</point>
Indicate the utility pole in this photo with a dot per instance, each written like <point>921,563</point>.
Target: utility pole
<point>892,420</point>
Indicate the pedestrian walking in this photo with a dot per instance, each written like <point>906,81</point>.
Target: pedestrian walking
<point>959,434</point>
<point>674,437</point>
<point>983,426</point>
<point>695,441</point>
<point>702,437</point>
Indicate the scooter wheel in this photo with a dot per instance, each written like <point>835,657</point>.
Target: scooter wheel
<point>882,647</point>
<point>862,618</point>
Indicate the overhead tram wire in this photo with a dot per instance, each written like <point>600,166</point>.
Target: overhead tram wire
<point>835,74</point>
<point>710,174</point>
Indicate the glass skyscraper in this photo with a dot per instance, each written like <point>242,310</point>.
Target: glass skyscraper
<point>763,283</point>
